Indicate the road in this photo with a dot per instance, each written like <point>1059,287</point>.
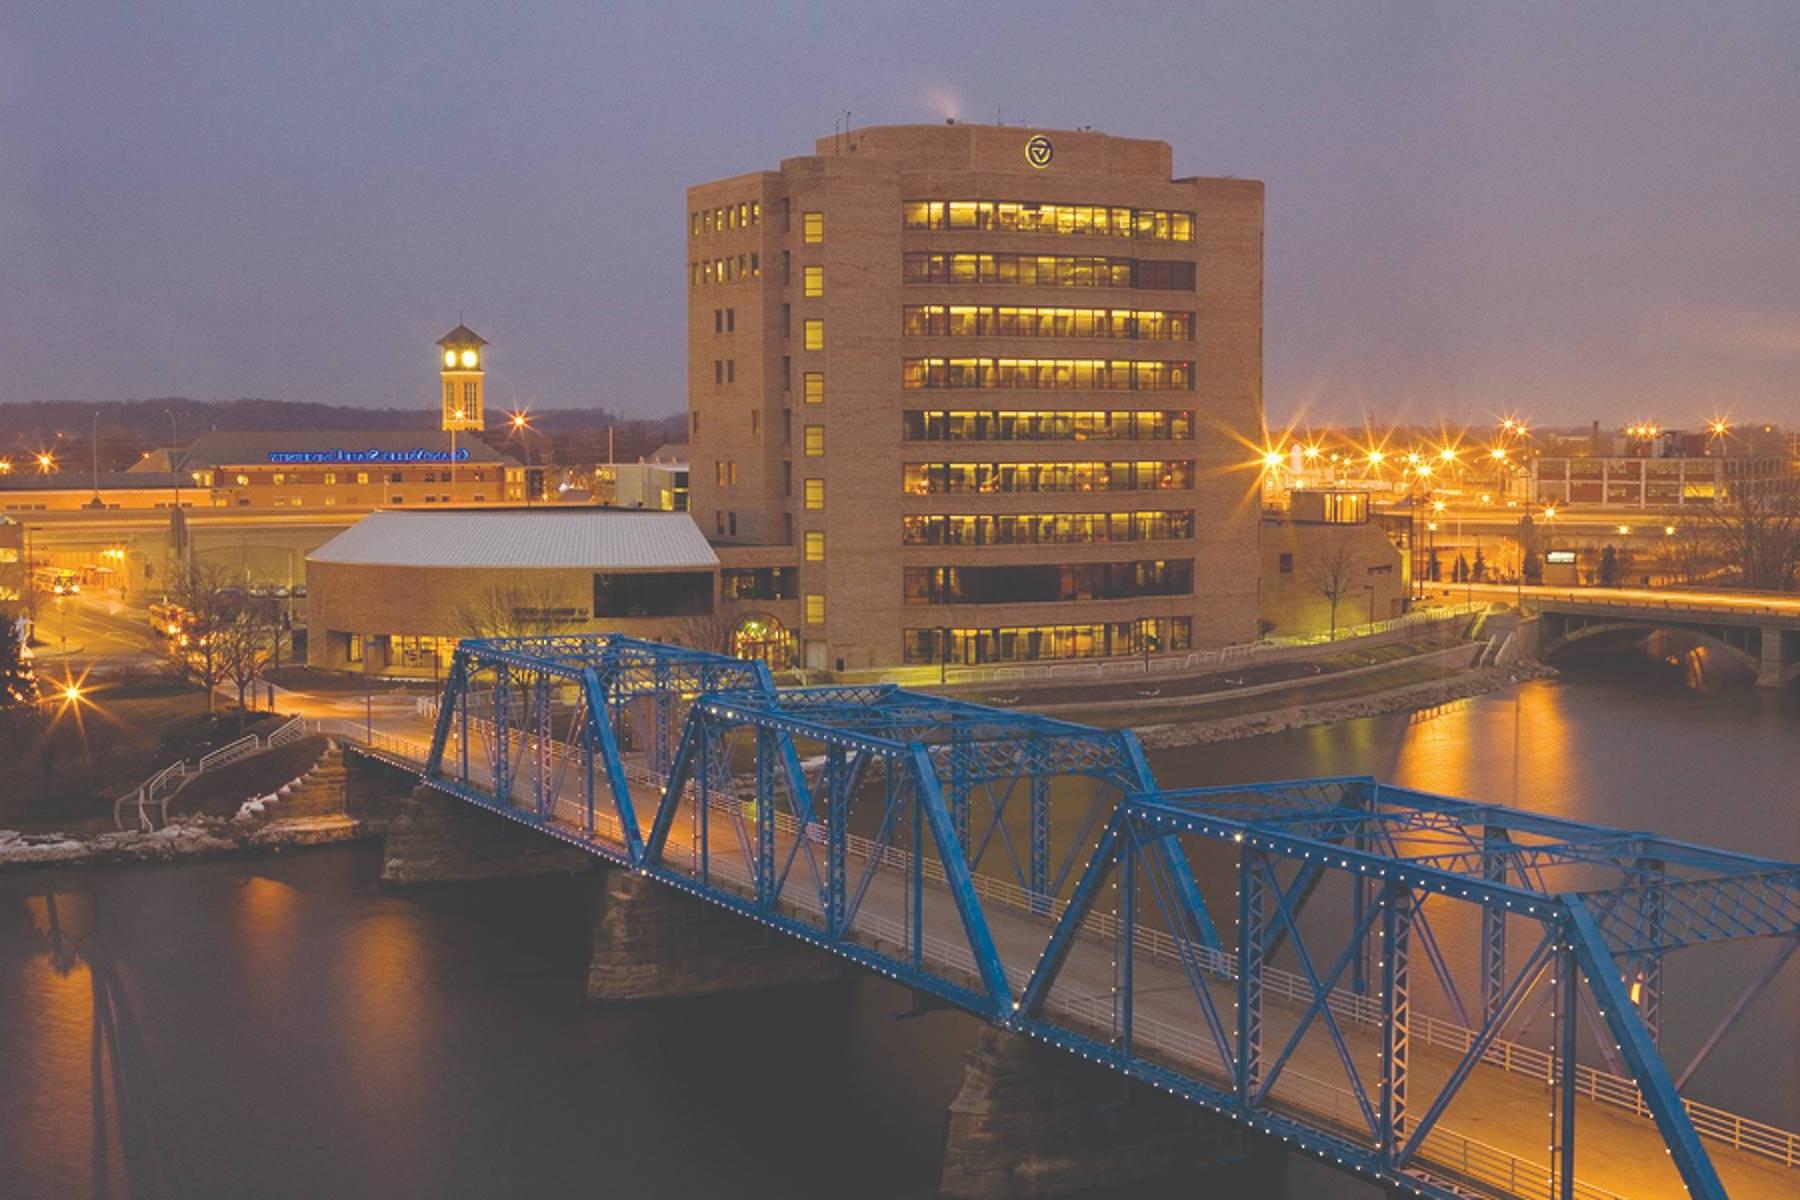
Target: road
<point>88,628</point>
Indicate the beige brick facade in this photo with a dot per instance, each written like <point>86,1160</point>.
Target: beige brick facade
<point>959,320</point>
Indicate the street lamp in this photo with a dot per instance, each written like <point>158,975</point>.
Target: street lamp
<point>521,425</point>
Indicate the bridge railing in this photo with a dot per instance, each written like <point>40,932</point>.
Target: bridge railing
<point>1699,605</point>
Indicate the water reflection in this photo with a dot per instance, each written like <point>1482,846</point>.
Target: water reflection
<point>132,1149</point>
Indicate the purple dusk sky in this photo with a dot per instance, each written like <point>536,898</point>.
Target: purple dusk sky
<point>1572,210</point>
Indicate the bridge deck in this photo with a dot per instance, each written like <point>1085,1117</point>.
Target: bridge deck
<point>1492,1141</point>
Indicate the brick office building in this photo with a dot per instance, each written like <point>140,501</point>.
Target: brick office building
<point>979,392</point>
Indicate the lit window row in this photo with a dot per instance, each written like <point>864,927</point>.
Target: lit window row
<point>1034,643</point>
<point>1077,220</point>
<point>1046,529</point>
<point>730,269</point>
<point>1048,583</point>
<point>930,479</point>
<point>1006,425</point>
<point>724,218</point>
<point>1047,270</point>
<point>1054,374</point>
<point>973,320</point>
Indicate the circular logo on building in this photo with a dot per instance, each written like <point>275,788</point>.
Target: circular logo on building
<point>1039,151</point>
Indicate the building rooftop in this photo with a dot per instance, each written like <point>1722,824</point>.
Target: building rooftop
<point>523,538</point>
<point>461,336</point>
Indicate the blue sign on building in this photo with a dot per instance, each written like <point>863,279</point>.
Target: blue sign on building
<point>417,454</point>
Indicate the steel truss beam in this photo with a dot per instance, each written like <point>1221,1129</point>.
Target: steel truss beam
<point>923,759</point>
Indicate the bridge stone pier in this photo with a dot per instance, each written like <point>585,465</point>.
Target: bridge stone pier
<point>434,838</point>
<point>652,942</point>
<point>1033,1122</point>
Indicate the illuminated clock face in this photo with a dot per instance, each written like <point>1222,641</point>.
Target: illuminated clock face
<point>449,358</point>
<point>469,358</point>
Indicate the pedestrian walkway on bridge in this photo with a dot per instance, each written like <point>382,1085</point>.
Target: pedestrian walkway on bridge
<point>1456,999</point>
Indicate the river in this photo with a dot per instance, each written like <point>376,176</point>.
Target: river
<point>283,1027</point>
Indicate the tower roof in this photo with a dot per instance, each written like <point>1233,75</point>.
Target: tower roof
<point>462,335</point>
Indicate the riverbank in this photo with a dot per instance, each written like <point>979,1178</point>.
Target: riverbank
<point>1386,697</point>
<point>182,838</point>
<point>315,808</point>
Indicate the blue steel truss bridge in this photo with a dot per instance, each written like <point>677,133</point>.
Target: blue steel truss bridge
<point>1453,999</point>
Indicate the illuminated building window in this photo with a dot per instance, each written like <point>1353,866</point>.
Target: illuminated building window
<point>815,608</point>
<point>814,543</point>
<point>812,228</point>
<point>815,493</point>
<point>814,332</point>
<point>1032,643</point>
<point>1044,529</point>
<point>331,477</point>
<point>1047,270</point>
<point>812,282</point>
<point>1069,220</point>
<point>1047,583</point>
<point>1048,374</point>
<point>942,478</point>
<point>813,438</point>
<point>1013,425</point>
<point>243,480</point>
<point>984,320</point>
<point>813,386</point>
<point>757,583</point>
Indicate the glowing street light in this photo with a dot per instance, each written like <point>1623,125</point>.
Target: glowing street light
<point>45,464</point>
<point>1272,459</point>
<point>1447,454</point>
<point>1498,454</point>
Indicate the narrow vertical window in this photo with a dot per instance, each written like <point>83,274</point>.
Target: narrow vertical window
<point>815,546</point>
<point>815,608</point>
<point>814,383</point>
<point>815,333</point>
<point>815,494</point>
<point>815,441</point>
<point>812,228</point>
<point>812,283</point>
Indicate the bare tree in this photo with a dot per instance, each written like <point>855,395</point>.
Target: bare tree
<point>1333,573</point>
<point>246,644</point>
<point>1755,529</point>
<point>204,593</point>
<point>514,611</point>
<point>701,631</point>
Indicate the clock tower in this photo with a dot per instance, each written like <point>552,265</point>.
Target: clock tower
<point>461,374</point>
